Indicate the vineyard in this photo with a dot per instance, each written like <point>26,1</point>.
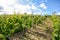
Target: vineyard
<point>12,24</point>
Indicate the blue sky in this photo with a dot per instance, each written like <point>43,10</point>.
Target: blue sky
<point>35,6</point>
<point>53,5</point>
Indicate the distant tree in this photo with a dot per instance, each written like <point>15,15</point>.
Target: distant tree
<point>32,13</point>
<point>54,13</point>
<point>25,13</point>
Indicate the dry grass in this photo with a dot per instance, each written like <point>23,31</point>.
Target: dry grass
<point>36,32</point>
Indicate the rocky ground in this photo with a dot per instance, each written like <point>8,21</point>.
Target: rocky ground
<point>36,32</point>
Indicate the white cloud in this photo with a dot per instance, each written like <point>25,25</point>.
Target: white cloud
<point>7,2</point>
<point>7,5</point>
<point>33,7</point>
<point>8,10</point>
<point>22,8</point>
<point>43,1</point>
<point>58,13</point>
<point>42,5</point>
<point>10,5</point>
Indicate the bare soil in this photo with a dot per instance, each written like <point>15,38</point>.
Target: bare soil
<point>36,32</point>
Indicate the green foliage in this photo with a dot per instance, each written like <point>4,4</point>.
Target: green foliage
<point>10,24</point>
<point>56,27</point>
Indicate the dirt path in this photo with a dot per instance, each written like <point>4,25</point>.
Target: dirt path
<point>36,32</point>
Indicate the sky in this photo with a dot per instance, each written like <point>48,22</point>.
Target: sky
<point>29,6</point>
